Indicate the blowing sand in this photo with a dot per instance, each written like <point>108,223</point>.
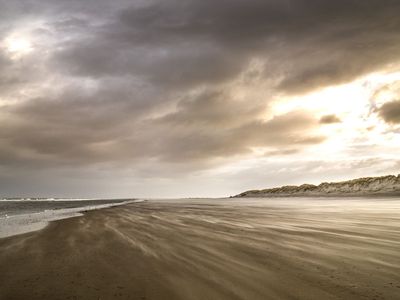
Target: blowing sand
<point>211,249</point>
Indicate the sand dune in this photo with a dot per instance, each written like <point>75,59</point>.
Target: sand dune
<point>367,186</point>
<point>211,249</point>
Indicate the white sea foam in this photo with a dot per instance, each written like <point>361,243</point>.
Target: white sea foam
<point>53,199</point>
<point>23,223</point>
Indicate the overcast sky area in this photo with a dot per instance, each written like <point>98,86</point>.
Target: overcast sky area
<point>164,98</point>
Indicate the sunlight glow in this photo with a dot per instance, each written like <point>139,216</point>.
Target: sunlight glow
<point>17,46</point>
<point>354,104</point>
<point>351,98</point>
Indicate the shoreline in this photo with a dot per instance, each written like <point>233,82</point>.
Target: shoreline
<point>11,225</point>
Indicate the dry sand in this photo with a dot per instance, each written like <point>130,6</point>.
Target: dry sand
<point>211,249</point>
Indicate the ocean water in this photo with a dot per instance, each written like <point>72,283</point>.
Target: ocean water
<point>20,216</point>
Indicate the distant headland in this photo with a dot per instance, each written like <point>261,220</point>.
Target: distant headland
<point>383,186</point>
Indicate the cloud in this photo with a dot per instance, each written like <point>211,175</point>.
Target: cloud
<point>185,141</point>
<point>390,112</point>
<point>166,85</point>
<point>304,44</point>
<point>329,119</point>
<point>98,128</point>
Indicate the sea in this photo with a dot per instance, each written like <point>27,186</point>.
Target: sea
<point>23,215</point>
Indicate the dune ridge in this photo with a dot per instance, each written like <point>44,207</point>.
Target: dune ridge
<point>383,185</point>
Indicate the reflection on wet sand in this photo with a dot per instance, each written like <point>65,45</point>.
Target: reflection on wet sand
<point>212,249</point>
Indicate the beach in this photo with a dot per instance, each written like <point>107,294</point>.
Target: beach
<point>289,248</point>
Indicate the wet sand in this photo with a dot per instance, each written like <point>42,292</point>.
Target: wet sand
<point>211,249</point>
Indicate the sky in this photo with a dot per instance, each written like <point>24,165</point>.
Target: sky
<point>165,98</point>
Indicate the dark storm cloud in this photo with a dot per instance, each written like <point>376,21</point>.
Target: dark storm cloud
<point>135,80</point>
<point>307,44</point>
<point>390,112</point>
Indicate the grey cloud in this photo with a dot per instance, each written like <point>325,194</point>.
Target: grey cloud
<point>390,112</point>
<point>175,46</point>
<point>329,119</point>
<point>180,138</point>
<point>168,48</point>
<point>308,44</point>
<point>210,126</point>
<point>155,83</point>
<point>76,126</point>
<point>281,153</point>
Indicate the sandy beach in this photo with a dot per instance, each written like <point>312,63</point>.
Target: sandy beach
<point>211,249</point>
